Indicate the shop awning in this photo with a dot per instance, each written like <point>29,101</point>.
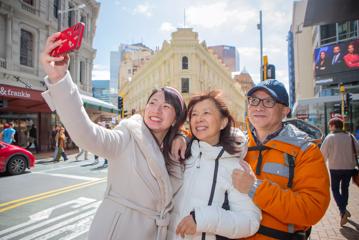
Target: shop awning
<point>97,104</point>
<point>321,12</point>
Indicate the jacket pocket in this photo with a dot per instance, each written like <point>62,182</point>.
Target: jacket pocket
<point>112,235</point>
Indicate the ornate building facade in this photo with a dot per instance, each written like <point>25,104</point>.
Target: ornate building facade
<point>24,28</point>
<point>187,65</point>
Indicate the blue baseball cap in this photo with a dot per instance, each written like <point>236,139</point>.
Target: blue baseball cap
<point>274,88</point>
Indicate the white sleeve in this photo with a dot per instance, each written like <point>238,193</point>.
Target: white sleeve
<point>242,220</point>
<point>65,98</point>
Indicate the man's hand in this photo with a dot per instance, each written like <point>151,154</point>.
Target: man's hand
<point>178,149</point>
<point>54,67</point>
<point>244,179</point>
<point>186,227</point>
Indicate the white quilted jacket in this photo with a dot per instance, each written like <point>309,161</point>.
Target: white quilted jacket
<point>241,220</point>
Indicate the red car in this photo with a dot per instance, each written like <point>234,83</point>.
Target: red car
<point>15,159</point>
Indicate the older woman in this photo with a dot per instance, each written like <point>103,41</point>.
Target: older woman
<point>215,151</point>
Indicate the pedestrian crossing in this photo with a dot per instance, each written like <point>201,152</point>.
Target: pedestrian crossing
<point>69,220</point>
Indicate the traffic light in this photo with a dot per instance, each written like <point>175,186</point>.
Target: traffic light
<point>270,71</point>
<point>120,103</point>
<point>337,108</point>
<point>348,99</point>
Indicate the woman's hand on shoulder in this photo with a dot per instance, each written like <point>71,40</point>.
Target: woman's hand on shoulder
<point>179,147</point>
<point>54,67</point>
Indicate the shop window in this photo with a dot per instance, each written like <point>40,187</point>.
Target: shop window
<point>184,62</point>
<point>26,48</point>
<point>328,33</point>
<point>185,85</point>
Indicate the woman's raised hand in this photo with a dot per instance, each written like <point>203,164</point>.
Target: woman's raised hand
<point>54,67</point>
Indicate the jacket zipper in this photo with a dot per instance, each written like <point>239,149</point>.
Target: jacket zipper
<point>198,164</point>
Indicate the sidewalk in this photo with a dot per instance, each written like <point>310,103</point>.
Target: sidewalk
<point>329,228</point>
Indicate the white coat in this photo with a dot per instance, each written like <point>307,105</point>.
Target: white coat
<point>241,220</point>
<point>138,198</point>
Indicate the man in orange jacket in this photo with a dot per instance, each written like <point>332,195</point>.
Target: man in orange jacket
<point>287,177</point>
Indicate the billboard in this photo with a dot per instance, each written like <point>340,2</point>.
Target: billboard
<point>337,62</point>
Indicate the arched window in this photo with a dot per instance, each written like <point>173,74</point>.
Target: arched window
<point>184,62</point>
<point>26,48</point>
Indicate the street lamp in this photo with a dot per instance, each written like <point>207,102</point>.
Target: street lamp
<point>260,28</point>
<point>59,12</point>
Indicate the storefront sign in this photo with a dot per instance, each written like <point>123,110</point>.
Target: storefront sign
<point>17,92</point>
<point>13,93</point>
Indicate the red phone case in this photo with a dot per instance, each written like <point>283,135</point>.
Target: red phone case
<point>73,35</point>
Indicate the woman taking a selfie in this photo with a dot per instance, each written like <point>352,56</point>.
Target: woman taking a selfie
<point>139,192</point>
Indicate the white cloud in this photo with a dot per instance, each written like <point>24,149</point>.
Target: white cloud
<point>167,27</point>
<point>144,9</point>
<point>220,13</point>
<point>100,72</point>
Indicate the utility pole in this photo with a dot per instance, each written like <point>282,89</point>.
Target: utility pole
<point>342,93</point>
<point>260,28</point>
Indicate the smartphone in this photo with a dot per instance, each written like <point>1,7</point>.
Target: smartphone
<point>73,35</point>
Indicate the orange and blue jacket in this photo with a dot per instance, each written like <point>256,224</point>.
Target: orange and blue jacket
<point>305,202</point>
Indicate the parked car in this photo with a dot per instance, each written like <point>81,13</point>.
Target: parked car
<point>14,159</point>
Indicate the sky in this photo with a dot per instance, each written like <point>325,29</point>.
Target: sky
<point>218,22</point>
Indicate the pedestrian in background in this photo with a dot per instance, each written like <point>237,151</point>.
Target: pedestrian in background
<point>61,141</point>
<point>287,178</point>
<point>338,150</point>
<point>33,138</point>
<point>82,152</point>
<point>8,134</point>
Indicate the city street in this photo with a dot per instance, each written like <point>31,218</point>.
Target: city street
<point>53,201</point>
<point>59,200</point>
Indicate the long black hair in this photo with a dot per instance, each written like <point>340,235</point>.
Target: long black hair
<point>175,99</point>
<point>226,138</point>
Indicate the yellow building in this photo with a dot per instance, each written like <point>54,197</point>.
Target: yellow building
<point>187,65</point>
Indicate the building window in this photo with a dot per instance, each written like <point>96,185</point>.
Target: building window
<point>56,8</point>
<point>30,2</point>
<point>328,34</point>
<point>2,38</point>
<point>337,32</point>
<point>347,30</point>
<point>26,48</point>
<point>185,85</point>
<point>82,72</point>
<point>84,20</point>
<point>71,16</point>
<point>184,62</point>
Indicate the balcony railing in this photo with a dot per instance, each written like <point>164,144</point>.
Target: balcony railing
<point>2,63</point>
<point>28,8</point>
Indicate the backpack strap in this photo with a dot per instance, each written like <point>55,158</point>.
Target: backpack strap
<point>259,148</point>
<point>291,164</point>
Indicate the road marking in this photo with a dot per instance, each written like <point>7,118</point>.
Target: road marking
<point>60,168</point>
<point>82,218</point>
<point>69,176</point>
<point>19,202</point>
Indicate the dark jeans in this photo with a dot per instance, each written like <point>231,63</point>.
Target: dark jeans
<point>340,180</point>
